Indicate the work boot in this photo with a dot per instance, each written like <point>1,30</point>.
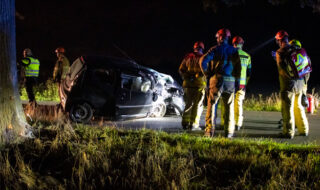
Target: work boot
<point>186,126</point>
<point>237,127</point>
<point>303,134</point>
<point>209,132</point>
<point>230,135</point>
<point>195,127</point>
<point>285,136</point>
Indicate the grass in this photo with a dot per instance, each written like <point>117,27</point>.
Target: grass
<point>86,157</point>
<point>69,156</point>
<point>260,103</point>
<point>47,91</point>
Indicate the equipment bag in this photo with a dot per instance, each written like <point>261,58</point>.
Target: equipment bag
<point>298,63</point>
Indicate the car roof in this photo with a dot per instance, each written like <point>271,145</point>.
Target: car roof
<point>98,61</point>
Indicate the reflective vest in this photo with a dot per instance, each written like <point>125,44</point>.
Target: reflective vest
<point>32,69</point>
<point>245,67</point>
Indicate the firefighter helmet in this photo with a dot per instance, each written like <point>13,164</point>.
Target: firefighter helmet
<point>224,32</point>
<point>296,43</point>
<point>27,51</point>
<point>237,40</point>
<point>281,34</point>
<point>198,45</point>
<point>60,50</point>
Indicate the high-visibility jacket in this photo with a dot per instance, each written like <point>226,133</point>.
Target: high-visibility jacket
<point>286,82</point>
<point>245,68</point>
<point>32,66</point>
<point>191,72</point>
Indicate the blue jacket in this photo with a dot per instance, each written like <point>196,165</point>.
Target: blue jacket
<point>221,62</point>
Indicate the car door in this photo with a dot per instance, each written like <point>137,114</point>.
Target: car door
<point>134,95</point>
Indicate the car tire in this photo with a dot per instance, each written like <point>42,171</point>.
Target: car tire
<point>159,110</point>
<point>81,113</point>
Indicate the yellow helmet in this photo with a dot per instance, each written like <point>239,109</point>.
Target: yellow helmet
<point>296,43</point>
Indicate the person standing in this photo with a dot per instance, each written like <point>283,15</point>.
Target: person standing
<point>245,58</point>
<point>304,100</point>
<point>291,88</point>
<point>194,84</point>
<point>62,65</point>
<point>31,73</point>
<point>221,65</point>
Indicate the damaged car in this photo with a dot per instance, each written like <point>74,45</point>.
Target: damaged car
<point>117,88</point>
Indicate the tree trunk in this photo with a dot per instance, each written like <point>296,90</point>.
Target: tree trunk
<point>12,120</point>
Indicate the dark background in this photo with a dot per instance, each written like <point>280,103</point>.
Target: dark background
<point>159,33</point>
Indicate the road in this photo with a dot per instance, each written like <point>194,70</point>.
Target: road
<point>257,125</point>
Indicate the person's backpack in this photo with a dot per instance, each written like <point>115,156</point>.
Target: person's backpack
<point>298,63</point>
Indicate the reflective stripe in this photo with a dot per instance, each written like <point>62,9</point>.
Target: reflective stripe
<point>33,68</point>
<point>229,79</point>
<point>245,64</point>
<point>32,75</point>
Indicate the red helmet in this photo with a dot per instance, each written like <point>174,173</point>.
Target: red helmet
<point>60,50</point>
<point>281,34</point>
<point>224,33</point>
<point>198,45</point>
<point>237,40</point>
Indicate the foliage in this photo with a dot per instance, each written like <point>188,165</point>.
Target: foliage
<point>86,157</point>
<point>260,103</point>
<point>47,91</point>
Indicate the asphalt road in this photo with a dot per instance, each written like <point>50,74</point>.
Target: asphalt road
<point>257,125</point>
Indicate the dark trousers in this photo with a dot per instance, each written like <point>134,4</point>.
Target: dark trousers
<point>30,83</point>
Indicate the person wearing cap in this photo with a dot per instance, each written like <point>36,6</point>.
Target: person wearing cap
<point>194,83</point>
<point>293,113</point>
<point>222,66</point>
<point>241,84</point>
<point>62,65</point>
<point>31,73</point>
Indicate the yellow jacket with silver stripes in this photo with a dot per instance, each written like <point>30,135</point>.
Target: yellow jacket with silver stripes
<point>32,66</point>
<point>245,59</point>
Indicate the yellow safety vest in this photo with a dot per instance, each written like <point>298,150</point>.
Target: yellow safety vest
<point>245,64</point>
<point>32,70</point>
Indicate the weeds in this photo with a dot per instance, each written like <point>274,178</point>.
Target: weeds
<point>66,156</point>
<point>106,158</point>
<point>260,103</point>
<point>47,91</point>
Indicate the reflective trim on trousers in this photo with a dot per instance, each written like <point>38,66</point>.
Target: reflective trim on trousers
<point>193,98</point>
<point>238,107</point>
<point>293,113</point>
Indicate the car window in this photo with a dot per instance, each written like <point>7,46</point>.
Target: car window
<point>135,83</point>
<point>104,75</point>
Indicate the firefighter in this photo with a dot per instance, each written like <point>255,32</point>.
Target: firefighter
<point>304,100</point>
<point>31,73</point>
<point>62,65</point>
<point>194,84</point>
<point>290,92</point>
<point>245,58</point>
<point>222,66</point>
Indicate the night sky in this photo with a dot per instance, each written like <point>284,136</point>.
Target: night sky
<point>159,33</point>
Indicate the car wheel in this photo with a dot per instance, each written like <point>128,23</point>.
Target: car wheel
<point>159,110</point>
<point>81,113</point>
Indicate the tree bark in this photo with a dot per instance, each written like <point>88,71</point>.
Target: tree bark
<point>12,119</point>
